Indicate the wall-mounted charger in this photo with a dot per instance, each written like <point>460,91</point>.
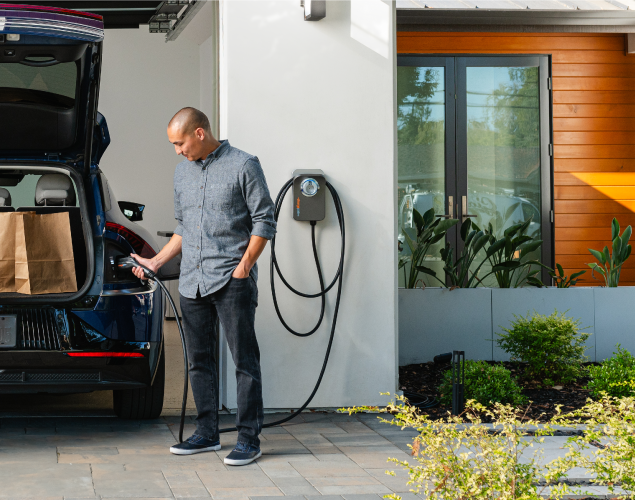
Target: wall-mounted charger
<point>309,194</point>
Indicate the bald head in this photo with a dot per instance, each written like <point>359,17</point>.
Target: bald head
<point>190,132</point>
<point>187,120</point>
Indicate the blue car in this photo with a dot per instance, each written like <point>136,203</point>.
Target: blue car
<point>108,335</point>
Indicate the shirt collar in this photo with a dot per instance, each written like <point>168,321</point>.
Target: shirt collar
<point>217,153</point>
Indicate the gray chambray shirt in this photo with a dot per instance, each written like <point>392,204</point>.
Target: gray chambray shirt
<point>219,204</point>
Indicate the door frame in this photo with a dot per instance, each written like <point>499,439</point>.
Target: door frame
<point>456,139</point>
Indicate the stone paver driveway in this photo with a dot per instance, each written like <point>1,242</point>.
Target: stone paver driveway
<point>317,454</point>
<point>328,456</point>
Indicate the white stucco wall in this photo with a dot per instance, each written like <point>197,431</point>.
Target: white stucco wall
<point>144,82</point>
<point>320,95</point>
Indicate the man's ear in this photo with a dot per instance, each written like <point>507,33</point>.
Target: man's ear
<point>200,134</point>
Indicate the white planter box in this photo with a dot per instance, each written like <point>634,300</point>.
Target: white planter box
<point>437,320</point>
<point>614,320</point>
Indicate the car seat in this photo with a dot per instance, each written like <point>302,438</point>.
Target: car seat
<point>5,201</point>
<point>55,193</point>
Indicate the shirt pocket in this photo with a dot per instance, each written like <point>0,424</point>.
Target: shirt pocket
<point>222,197</point>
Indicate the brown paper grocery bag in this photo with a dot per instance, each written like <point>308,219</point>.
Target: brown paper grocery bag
<point>44,254</point>
<point>7,252</point>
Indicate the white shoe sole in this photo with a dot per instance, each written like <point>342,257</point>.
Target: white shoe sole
<point>246,461</point>
<point>179,451</point>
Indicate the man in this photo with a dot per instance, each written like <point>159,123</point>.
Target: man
<point>225,217</point>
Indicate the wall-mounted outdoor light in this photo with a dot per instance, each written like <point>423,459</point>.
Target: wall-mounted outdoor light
<point>314,10</point>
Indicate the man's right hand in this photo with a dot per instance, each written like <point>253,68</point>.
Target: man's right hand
<point>149,263</point>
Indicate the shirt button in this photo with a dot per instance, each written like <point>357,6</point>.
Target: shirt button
<point>199,206</point>
<point>201,187</point>
<point>197,248</point>
<point>197,267</point>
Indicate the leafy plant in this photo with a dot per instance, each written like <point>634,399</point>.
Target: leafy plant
<point>615,376</point>
<point>510,257</point>
<point>563,281</point>
<point>455,461</point>
<point>430,229</point>
<point>609,427</point>
<point>458,272</point>
<point>610,264</point>
<point>485,383</point>
<point>552,346</point>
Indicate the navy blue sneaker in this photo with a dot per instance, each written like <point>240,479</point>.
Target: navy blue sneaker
<point>195,444</point>
<point>243,454</point>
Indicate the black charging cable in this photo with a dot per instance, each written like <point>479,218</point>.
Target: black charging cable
<point>129,262</point>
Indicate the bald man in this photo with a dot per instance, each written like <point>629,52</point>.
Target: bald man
<point>225,217</point>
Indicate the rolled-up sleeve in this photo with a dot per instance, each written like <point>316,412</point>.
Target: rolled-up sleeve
<point>178,211</point>
<point>259,203</point>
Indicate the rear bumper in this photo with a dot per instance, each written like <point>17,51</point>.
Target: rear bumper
<point>56,372</point>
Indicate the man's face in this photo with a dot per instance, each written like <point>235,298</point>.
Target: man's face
<point>191,146</point>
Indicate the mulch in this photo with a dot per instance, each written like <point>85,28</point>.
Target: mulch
<point>425,379</point>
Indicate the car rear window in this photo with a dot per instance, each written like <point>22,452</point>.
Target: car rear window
<point>54,85</point>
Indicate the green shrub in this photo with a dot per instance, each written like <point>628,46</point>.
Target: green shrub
<point>484,383</point>
<point>552,346</point>
<point>614,376</point>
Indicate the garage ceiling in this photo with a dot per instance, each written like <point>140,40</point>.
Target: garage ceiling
<point>116,14</point>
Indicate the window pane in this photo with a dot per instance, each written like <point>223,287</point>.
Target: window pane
<point>503,149</point>
<point>421,154</point>
<point>33,84</point>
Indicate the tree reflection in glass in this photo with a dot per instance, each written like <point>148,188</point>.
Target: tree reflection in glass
<point>421,152</point>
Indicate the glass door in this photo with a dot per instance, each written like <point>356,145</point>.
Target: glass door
<point>503,162</point>
<point>473,141</point>
<point>425,97</point>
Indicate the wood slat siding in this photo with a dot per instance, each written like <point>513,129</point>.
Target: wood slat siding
<point>593,125</point>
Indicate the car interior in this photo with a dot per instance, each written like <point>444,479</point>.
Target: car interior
<point>46,193</point>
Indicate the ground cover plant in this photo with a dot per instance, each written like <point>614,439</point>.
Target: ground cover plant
<point>454,461</point>
<point>485,383</point>
<point>457,458</point>
<point>552,346</point>
<point>610,435</point>
<point>615,376</point>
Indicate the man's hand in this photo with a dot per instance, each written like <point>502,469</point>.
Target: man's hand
<point>149,263</point>
<point>241,272</point>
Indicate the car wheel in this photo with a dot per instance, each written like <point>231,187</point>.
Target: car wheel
<point>143,403</point>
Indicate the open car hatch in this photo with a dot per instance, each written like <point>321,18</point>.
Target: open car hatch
<point>50,62</point>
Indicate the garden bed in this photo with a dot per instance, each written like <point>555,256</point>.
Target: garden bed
<point>425,379</point>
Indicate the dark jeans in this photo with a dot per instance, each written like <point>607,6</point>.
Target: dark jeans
<point>235,306</point>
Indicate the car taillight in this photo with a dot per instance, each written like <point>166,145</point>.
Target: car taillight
<point>105,354</point>
<point>116,249</point>
<point>139,245</point>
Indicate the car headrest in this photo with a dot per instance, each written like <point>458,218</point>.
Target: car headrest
<point>54,190</point>
<point>5,198</point>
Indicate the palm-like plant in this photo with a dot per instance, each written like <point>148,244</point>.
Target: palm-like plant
<point>610,264</point>
<point>458,272</point>
<point>510,257</point>
<point>430,230</point>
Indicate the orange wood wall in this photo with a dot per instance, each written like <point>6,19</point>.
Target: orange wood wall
<point>593,125</point>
